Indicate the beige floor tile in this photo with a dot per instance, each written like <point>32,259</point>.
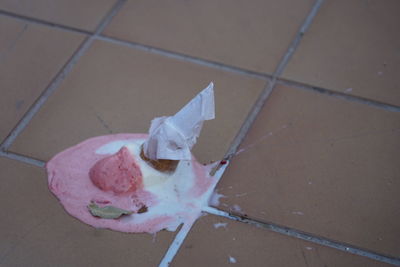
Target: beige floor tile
<point>37,232</point>
<point>252,35</point>
<point>323,165</point>
<point>74,13</point>
<point>30,56</point>
<point>119,89</point>
<point>352,47</point>
<point>216,241</point>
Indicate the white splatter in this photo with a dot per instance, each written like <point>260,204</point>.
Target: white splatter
<point>309,248</point>
<point>240,151</point>
<point>214,199</point>
<point>232,259</point>
<point>298,213</point>
<point>154,237</point>
<point>236,208</point>
<point>348,90</point>
<point>241,195</point>
<point>218,225</point>
<point>380,73</point>
<point>261,139</point>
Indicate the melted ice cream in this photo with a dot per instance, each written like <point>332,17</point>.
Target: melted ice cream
<point>170,198</point>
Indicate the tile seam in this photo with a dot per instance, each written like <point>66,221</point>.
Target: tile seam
<point>262,99</point>
<point>59,77</point>
<point>272,81</point>
<point>305,236</point>
<point>184,57</point>
<point>22,158</point>
<point>257,106</point>
<point>205,62</point>
<point>151,49</point>
<point>266,225</point>
<point>299,36</point>
<point>351,98</point>
<point>181,236</point>
<point>41,22</point>
<point>176,244</point>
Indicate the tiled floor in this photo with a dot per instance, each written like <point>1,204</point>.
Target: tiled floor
<point>316,178</point>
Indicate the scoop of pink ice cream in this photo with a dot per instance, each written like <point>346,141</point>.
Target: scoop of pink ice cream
<point>118,173</point>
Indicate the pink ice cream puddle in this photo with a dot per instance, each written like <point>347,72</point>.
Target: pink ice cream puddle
<point>80,175</point>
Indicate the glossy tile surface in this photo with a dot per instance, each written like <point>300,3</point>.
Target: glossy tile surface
<point>118,89</point>
<point>84,15</point>
<point>322,165</point>
<point>315,160</point>
<point>30,56</point>
<point>252,36</point>
<point>352,47</point>
<point>216,241</point>
<point>38,232</point>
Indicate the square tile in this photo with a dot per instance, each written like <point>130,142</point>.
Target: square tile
<point>30,56</point>
<point>352,47</point>
<point>116,89</point>
<point>84,15</point>
<point>323,165</point>
<point>252,35</point>
<point>38,232</point>
<point>216,241</point>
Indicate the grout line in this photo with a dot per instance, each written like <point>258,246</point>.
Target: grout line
<point>181,236</point>
<point>305,236</point>
<point>272,82</point>
<point>22,158</point>
<point>218,65</point>
<point>108,17</point>
<point>59,78</point>
<point>251,117</point>
<point>183,57</point>
<point>42,22</point>
<point>176,244</point>
<point>242,132</point>
<point>295,43</point>
<point>340,95</point>
<point>176,55</point>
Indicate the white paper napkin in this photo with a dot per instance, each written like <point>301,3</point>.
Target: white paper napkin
<point>173,137</point>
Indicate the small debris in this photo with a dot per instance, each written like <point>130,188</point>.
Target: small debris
<point>232,259</point>
<point>143,209</point>
<point>107,212</point>
<point>215,199</point>
<point>218,225</point>
<point>237,208</point>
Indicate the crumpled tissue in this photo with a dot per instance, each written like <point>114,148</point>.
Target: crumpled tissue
<point>173,137</point>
